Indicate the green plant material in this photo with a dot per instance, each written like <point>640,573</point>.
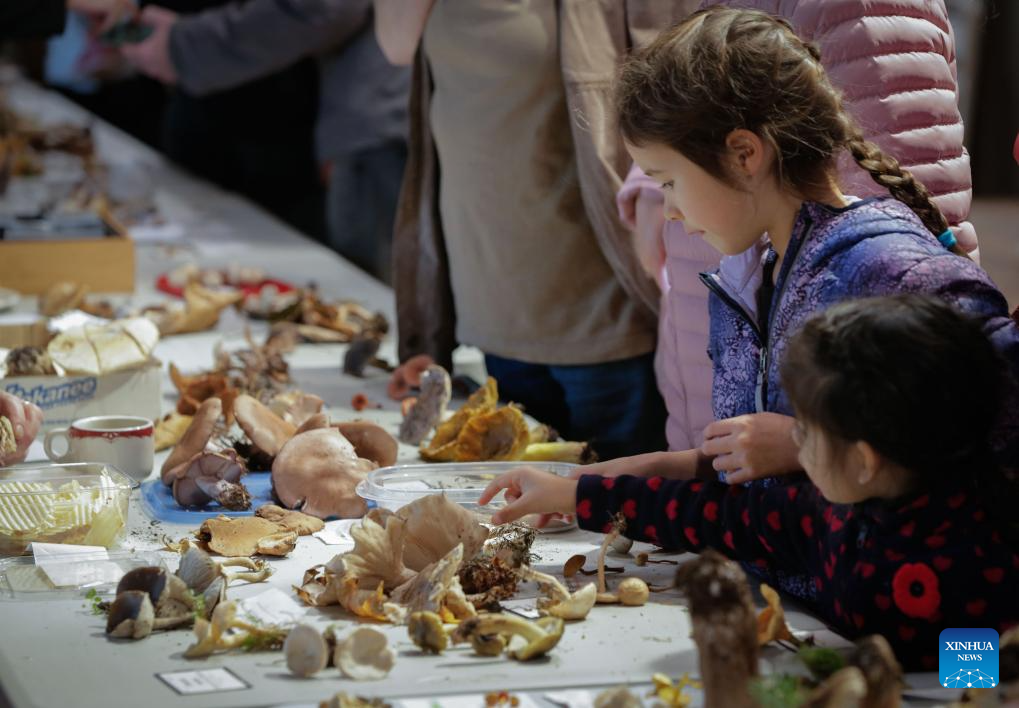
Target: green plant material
<point>782,691</point>
<point>199,600</point>
<point>820,661</point>
<point>264,639</point>
<point>99,606</point>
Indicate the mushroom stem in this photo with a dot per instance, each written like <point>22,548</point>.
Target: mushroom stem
<point>618,524</point>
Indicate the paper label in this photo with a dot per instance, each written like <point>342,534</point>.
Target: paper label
<point>473,700</point>
<point>272,607</point>
<point>187,683</point>
<point>75,566</point>
<point>337,533</point>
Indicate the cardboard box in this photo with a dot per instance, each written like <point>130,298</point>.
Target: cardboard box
<point>64,399</point>
<point>105,264</point>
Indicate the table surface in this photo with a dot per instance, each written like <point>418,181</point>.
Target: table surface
<point>54,652</point>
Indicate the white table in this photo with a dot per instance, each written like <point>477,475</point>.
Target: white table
<point>55,653</point>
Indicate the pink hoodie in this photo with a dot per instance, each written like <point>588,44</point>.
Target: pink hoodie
<point>894,60</point>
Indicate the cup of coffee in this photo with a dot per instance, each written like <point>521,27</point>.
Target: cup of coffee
<point>125,442</point>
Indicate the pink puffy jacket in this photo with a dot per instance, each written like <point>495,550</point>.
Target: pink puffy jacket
<point>894,61</point>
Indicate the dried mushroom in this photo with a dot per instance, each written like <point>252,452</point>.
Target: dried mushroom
<point>225,631</point>
<point>771,624</point>
<point>724,628</point>
<point>365,655</point>
<point>8,443</point>
<point>558,601</point>
<point>195,438</point>
<point>317,472</point>
<point>434,526</point>
<point>306,651</point>
<point>246,536</point>
<point>427,411</point>
<point>61,297</point>
<point>301,524</point>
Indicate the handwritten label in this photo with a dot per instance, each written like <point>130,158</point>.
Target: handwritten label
<point>189,683</point>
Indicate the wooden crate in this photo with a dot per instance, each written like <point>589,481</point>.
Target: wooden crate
<point>105,264</point>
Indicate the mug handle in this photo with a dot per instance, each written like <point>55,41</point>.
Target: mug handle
<point>48,444</point>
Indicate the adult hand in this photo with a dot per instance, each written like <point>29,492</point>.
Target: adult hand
<point>531,491</point>
<point>26,419</point>
<point>752,446</point>
<point>152,56</point>
<point>407,376</point>
<point>102,13</point>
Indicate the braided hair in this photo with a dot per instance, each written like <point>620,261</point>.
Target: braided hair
<point>723,69</point>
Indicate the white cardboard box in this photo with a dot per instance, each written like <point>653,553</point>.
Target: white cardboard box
<point>64,399</point>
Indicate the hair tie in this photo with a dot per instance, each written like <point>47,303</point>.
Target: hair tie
<point>947,239</point>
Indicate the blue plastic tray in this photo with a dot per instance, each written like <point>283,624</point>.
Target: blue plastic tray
<point>160,504</point>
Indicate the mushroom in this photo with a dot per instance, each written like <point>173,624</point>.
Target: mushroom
<point>8,443</point>
<point>365,655</point>
<point>319,420</point>
<point>724,628</point>
<point>224,631</point>
<point>246,536</point>
<point>212,476</point>
<point>172,602</point>
<point>194,440</point>
<point>618,697</point>
<point>362,353</point>
<point>771,624</point>
<point>875,659</point>
<point>633,592</point>
<point>437,589</point>
<point>131,615</point>
<point>540,636</point>
<point>370,441</point>
<point>426,631</point>
<point>846,688</point>
<point>622,545</point>
<point>317,472</point>
<point>301,524</point>
<point>560,602</point>
<point>425,414</point>
<point>435,526</point>
<point>296,407</point>
<point>643,559</point>
<point>199,571</point>
<point>488,644</point>
<point>306,651</point>
<point>266,430</point>
<point>575,564</point>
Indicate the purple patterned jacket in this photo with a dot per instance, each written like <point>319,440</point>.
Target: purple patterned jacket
<point>876,246</point>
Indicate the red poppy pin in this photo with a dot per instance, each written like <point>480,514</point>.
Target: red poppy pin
<point>915,590</point>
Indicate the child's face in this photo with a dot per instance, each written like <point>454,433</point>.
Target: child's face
<point>722,215</point>
<point>829,466</point>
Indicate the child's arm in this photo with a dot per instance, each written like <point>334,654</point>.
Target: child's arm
<point>684,464</point>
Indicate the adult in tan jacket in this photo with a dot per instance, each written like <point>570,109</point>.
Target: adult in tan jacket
<point>507,237</point>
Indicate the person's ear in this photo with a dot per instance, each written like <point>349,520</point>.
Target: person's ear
<point>868,462</point>
<point>746,151</point>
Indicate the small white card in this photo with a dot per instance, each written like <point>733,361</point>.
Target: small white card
<point>525,609</point>
<point>272,607</point>
<point>337,533</point>
<point>75,566</point>
<point>187,683</point>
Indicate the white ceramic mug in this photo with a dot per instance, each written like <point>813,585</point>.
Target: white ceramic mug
<point>125,442</point>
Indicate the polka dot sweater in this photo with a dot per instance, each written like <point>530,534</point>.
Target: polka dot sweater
<point>904,570</point>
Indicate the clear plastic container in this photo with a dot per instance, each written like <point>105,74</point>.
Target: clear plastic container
<point>22,579</point>
<point>82,503</point>
<point>462,482</point>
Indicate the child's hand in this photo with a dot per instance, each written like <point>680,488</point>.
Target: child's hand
<point>752,446</point>
<point>531,491</point>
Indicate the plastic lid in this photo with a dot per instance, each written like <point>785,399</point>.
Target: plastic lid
<point>461,482</point>
<point>90,475</point>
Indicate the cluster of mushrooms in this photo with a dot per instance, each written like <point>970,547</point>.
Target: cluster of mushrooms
<point>316,464</point>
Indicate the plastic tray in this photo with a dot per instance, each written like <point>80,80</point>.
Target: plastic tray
<point>160,504</point>
<point>22,579</point>
<point>461,482</point>
<point>83,503</point>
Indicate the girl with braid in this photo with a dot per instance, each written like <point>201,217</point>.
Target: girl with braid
<point>735,117</point>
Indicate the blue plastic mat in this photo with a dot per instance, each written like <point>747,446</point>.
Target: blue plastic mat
<point>160,504</point>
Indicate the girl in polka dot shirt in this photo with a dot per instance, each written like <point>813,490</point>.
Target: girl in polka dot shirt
<point>904,526</point>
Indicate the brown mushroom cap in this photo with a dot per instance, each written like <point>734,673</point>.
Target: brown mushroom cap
<point>195,438</point>
<point>266,430</point>
<point>370,441</point>
<point>296,521</point>
<point>317,471</point>
<point>237,536</point>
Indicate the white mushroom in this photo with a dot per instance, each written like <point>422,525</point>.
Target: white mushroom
<point>306,651</point>
<point>560,602</point>
<point>364,655</point>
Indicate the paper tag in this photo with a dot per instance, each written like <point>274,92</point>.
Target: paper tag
<point>187,683</point>
<point>337,533</point>
<point>75,566</point>
<point>472,700</point>
<point>576,698</point>
<point>524,610</point>
<point>272,607</point>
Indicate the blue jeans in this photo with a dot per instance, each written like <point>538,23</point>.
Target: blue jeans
<point>615,406</point>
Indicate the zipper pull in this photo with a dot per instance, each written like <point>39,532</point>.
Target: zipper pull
<point>762,373</point>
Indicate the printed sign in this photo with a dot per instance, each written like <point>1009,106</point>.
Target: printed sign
<point>968,658</point>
